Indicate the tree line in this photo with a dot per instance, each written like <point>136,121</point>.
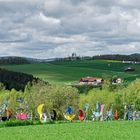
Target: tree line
<point>15,80</point>
<point>132,57</point>
<point>13,60</point>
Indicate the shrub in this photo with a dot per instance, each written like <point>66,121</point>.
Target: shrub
<point>12,123</point>
<point>53,96</point>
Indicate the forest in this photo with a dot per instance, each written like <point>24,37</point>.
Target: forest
<point>15,80</point>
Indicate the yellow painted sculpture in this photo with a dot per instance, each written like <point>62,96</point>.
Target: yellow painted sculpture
<point>42,115</point>
<point>69,117</point>
<point>69,114</point>
<point>40,109</point>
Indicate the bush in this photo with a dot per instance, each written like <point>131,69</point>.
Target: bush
<point>58,98</point>
<point>12,123</point>
<point>129,95</point>
<point>54,97</point>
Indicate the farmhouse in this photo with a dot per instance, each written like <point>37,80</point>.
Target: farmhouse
<point>117,81</point>
<point>91,81</point>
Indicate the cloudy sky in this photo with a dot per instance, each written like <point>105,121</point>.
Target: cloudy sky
<point>57,28</point>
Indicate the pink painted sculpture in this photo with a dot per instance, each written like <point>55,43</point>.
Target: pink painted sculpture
<point>22,116</point>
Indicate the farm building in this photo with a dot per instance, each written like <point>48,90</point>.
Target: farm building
<point>129,69</point>
<point>117,81</point>
<point>91,81</point>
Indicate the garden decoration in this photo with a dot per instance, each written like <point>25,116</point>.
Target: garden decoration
<point>102,109</point>
<point>22,116</point>
<point>101,112</point>
<point>136,115</point>
<point>86,111</point>
<point>69,117</point>
<point>125,112</point>
<point>20,101</point>
<point>109,114</point>
<point>43,116</point>
<point>128,112</point>
<point>4,119</point>
<point>69,114</point>
<point>2,113</point>
<point>40,109</point>
<point>81,115</point>
<point>95,115</point>
<point>5,112</point>
<point>98,114</point>
<point>69,110</point>
<point>98,107</point>
<point>9,113</point>
<point>53,115</point>
<point>116,115</point>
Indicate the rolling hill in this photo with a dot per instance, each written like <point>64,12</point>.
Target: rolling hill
<point>66,72</point>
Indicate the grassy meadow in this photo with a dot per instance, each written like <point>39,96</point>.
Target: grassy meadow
<point>69,72</point>
<point>121,130</point>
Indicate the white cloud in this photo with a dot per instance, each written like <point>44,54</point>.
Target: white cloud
<point>57,28</point>
<point>124,48</point>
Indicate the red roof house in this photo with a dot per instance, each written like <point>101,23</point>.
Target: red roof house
<point>91,81</point>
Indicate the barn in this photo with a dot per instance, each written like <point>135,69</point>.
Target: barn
<point>129,69</point>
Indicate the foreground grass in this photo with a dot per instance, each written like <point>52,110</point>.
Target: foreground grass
<point>74,131</point>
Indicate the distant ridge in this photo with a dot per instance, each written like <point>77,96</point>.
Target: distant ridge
<point>21,60</point>
<point>132,57</point>
<point>119,57</point>
<point>135,54</point>
<point>25,60</point>
<point>13,60</point>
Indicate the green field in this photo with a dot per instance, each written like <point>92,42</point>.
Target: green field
<point>128,130</point>
<point>69,72</point>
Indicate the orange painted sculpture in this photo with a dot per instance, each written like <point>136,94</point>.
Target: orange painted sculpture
<point>116,115</point>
